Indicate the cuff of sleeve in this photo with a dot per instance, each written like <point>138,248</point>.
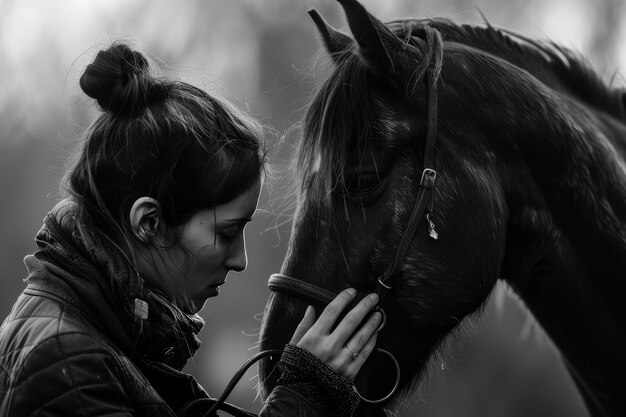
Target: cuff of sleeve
<point>306,374</point>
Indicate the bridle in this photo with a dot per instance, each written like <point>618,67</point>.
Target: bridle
<point>284,284</point>
<point>423,207</point>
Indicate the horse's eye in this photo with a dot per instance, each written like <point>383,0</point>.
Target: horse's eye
<point>364,183</point>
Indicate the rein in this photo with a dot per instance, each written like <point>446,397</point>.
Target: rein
<point>281,283</point>
<point>221,404</point>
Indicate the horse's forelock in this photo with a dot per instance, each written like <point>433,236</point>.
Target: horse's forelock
<point>337,121</point>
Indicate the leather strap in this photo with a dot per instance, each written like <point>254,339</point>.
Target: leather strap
<point>424,199</point>
<point>292,286</point>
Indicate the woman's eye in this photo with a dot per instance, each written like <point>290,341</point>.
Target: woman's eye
<point>228,233</point>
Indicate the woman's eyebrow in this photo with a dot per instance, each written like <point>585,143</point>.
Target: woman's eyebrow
<point>239,220</point>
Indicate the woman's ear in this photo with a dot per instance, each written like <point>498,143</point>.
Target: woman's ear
<point>145,219</point>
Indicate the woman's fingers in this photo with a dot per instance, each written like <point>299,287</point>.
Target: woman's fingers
<point>355,347</point>
<point>304,326</point>
<point>332,348</point>
<point>333,310</point>
<point>355,365</point>
<point>360,338</point>
<point>353,320</point>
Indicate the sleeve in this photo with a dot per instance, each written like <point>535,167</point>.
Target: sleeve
<point>69,375</point>
<point>309,387</point>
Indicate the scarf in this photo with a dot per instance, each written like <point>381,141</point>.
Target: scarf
<point>100,282</point>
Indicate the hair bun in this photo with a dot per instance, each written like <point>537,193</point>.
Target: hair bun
<point>119,79</point>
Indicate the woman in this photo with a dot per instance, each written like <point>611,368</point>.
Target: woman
<point>159,195</point>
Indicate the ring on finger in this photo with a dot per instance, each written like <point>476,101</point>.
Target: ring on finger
<point>354,354</point>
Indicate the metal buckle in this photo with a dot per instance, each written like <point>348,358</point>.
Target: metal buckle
<point>428,178</point>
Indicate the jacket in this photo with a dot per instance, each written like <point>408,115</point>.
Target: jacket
<point>87,337</point>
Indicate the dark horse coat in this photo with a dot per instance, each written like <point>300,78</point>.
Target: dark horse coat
<point>87,338</point>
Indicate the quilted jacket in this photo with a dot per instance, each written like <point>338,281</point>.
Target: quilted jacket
<point>87,338</point>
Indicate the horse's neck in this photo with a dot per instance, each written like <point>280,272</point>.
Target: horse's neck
<point>566,257</point>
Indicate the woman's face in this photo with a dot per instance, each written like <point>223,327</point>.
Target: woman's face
<point>211,243</point>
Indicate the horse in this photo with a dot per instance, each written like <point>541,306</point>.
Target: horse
<point>530,189</point>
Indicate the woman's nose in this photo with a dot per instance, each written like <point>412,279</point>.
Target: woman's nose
<point>238,259</point>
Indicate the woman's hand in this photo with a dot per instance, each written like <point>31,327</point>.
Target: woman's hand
<point>344,355</point>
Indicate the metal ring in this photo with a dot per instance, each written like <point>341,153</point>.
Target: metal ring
<point>354,355</point>
<point>395,385</point>
<point>388,287</point>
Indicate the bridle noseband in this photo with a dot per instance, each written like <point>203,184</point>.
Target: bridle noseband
<point>423,208</point>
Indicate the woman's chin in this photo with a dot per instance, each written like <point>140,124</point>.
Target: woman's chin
<point>197,304</point>
<point>193,306</point>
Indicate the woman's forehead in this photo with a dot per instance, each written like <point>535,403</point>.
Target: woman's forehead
<point>241,207</point>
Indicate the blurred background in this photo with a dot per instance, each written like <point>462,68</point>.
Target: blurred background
<point>260,54</point>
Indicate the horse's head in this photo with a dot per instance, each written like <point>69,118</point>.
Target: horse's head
<point>360,163</point>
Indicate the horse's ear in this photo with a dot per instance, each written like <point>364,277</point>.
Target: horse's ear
<point>374,38</point>
<point>335,42</point>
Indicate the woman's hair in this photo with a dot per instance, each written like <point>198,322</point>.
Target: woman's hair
<point>161,138</point>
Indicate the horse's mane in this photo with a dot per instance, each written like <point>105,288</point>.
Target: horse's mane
<point>556,66</point>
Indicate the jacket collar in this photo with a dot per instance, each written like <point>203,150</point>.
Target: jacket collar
<point>101,283</point>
